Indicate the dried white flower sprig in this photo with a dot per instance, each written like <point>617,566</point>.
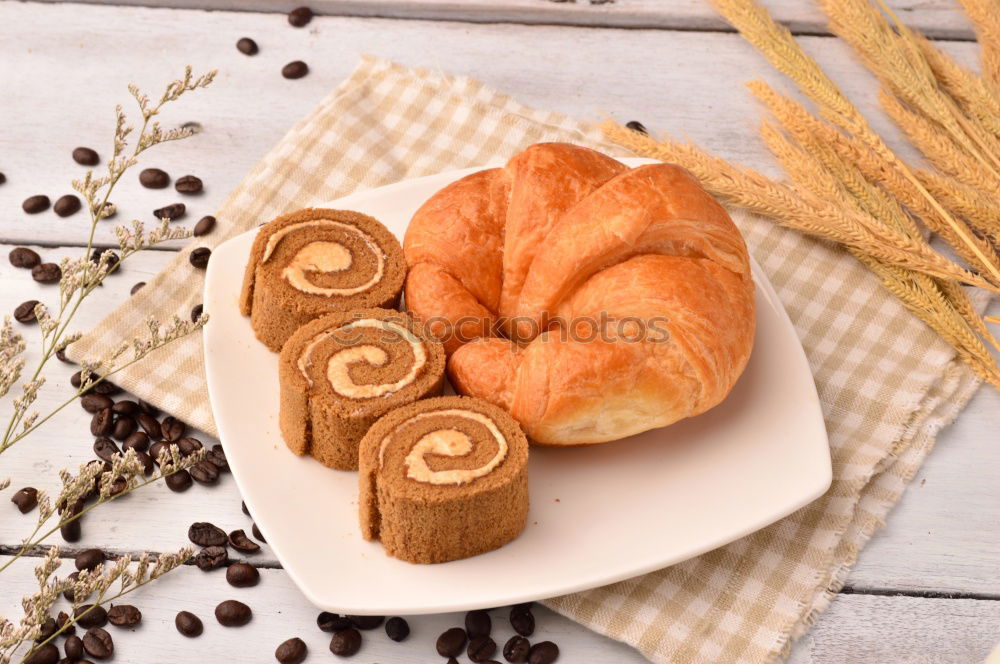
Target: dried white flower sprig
<point>80,276</point>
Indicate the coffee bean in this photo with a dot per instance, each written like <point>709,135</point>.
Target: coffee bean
<point>48,628</point>
<point>146,461</point>
<point>203,533</point>
<point>451,642</point>
<point>3,178</point>
<point>136,288</point>
<point>148,408</point>
<point>150,425</point>
<point>218,457</point>
<point>36,204</point>
<point>172,430</point>
<point>196,312</point>
<point>109,210</point>
<point>69,594</point>
<point>98,643</point>
<point>523,621</point>
<point>481,648</point>
<point>199,257</point>
<point>102,423</point>
<point>24,257</point>
<point>188,184</point>
<point>154,178</point>
<point>118,486</point>
<point>158,448</point>
<point>211,557</point>
<point>47,654</point>
<point>25,312</point>
<point>89,559</point>
<point>66,205</point>
<point>332,622</point>
<point>204,226</point>
<point>93,403</point>
<point>138,441</point>
<point>86,157</point>
<point>300,17</point>
<point>110,257</point>
<point>516,650</point>
<point>124,615</point>
<point>478,623</point>
<point>125,407</point>
<point>247,46</point>
<point>73,648</point>
<point>46,273</point>
<point>188,446</point>
<point>106,387</point>
<point>61,356</point>
<point>635,125</point>
<point>397,629</point>
<point>346,642</point>
<point>91,615</point>
<point>105,448</point>
<point>242,575</point>
<point>172,212</point>
<point>25,499</point>
<point>188,624</point>
<point>366,622</point>
<point>232,613</point>
<point>544,652</point>
<point>179,482</point>
<point>257,535</point>
<point>295,69</point>
<point>125,426</point>
<point>292,651</point>
<point>239,541</point>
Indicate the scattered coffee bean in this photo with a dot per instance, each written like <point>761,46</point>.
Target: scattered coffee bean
<point>106,387</point>
<point>199,257</point>
<point>516,650</point>
<point>172,430</point>
<point>73,648</point>
<point>98,643</point>
<point>91,615</point>
<point>109,255</point>
<point>635,125</point>
<point>46,273</point>
<point>138,441</point>
<point>102,423</point>
<point>158,448</point>
<point>124,615</point>
<point>187,446</point>
<point>172,212</point>
<point>204,226</point>
<point>189,184</point>
<point>481,648</point>
<point>25,312</point>
<point>397,628</point>
<point>36,204</point>
<point>203,533</point>
<point>69,594</point>
<point>148,408</point>
<point>93,403</point>
<point>217,456</point>
<point>544,652</point>
<point>124,427</point>
<point>136,288</point>
<point>179,482</point>
<point>109,210</point>
<point>292,651</point>
<point>76,380</point>
<point>61,623</point>
<point>150,425</point>
<point>125,407</point>
<point>239,541</point>
<point>196,312</point>
<point>89,559</point>
<point>47,654</point>
<point>24,257</point>
<point>300,17</point>
<point>211,557</point>
<point>105,448</point>
<point>332,622</point>
<point>257,535</point>
<point>478,623</point>
<point>522,620</point>
<point>451,642</point>
<point>346,642</point>
<point>232,613</point>
<point>188,624</point>
<point>86,157</point>
<point>242,575</point>
<point>247,46</point>
<point>25,499</point>
<point>366,622</point>
<point>47,630</point>
<point>146,461</point>
<point>295,69</point>
<point>154,178</point>
<point>66,205</point>
<point>61,356</point>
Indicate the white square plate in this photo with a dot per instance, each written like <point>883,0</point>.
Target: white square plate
<point>598,515</point>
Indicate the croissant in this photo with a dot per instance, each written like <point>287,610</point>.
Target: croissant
<point>590,300</point>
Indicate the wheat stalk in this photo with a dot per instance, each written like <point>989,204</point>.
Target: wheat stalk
<point>985,15</point>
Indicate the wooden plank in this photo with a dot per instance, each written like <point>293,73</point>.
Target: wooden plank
<point>654,76</point>
<point>942,18</point>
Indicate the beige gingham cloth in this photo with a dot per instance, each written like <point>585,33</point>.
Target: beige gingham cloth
<point>886,382</point>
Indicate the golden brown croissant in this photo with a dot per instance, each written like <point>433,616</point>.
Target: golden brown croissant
<point>590,300</point>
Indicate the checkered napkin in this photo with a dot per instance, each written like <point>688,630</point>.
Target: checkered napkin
<point>886,382</point>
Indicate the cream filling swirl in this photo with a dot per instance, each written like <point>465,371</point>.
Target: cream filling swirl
<point>324,256</point>
<point>446,442</point>
<point>337,368</point>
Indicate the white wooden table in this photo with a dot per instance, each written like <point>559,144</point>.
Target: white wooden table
<point>927,588</point>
